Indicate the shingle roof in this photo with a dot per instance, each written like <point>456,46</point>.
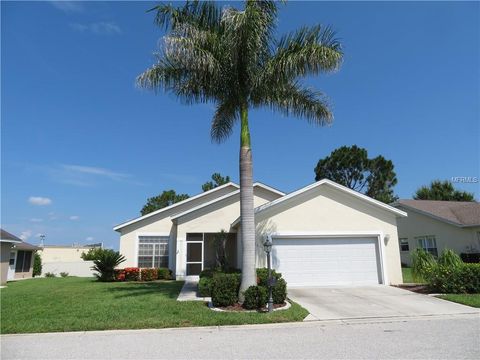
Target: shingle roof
<point>26,246</point>
<point>6,236</point>
<point>460,213</point>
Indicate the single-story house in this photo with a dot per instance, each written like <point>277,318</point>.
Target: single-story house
<point>16,257</point>
<point>436,225</point>
<point>323,234</point>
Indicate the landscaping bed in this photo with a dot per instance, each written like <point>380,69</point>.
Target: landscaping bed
<point>82,304</point>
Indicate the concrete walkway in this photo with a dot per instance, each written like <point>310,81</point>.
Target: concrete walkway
<point>189,292</point>
<point>447,337</point>
<point>372,302</point>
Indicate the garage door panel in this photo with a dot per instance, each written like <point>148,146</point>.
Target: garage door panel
<point>327,261</point>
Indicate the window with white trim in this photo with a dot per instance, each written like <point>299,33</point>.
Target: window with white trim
<point>428,243</point>
<point>404,244</point>
<point>152,251</point>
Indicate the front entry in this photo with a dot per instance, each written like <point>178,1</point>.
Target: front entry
<point>11,265</point>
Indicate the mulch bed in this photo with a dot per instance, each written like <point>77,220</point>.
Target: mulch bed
<point>238,307</point>
<point>418,288</point>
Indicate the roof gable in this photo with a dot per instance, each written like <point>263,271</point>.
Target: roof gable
<point>178,204</point>
<point>5,236</point>
<point>326,182</point>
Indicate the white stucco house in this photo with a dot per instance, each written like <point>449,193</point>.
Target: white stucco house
<point>323,234</point>
<point>436,225</point>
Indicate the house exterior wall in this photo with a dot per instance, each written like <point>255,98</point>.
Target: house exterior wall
<point>62,253</point>
<point>324,210</point>
<point>446,235</point>
<point>5,248</point>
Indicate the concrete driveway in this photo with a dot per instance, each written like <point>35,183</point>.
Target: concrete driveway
<point>371,302</point>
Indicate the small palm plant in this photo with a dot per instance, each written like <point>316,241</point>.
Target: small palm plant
<point>422,263</point>
<point>450,258</point>
<point>105,265</point>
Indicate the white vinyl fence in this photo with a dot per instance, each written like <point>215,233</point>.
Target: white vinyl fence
<point>77,268</point>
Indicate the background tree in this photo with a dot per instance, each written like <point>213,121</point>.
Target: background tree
<point>93,253</point>
<point>230,57</point>
<point>351,167</point>
<point>218,180</point>
<point>166,198</point>
<point>442,190</point>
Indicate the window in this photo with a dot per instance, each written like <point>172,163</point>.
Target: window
<point>404,244</point>
<point>24,259</point>
<point>152,251</point>
<point>428,244</point>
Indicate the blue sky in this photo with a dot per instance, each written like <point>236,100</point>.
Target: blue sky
<point>82,148</point>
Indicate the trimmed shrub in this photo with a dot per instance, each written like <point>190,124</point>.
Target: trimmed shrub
<point>149,274</point>
<point>225,289</point>
<point>64,274</point>
<point>473,258</point>
<point>119,274</point>
<point>37,265</point>
<point>164,274</point>
<point>279,291</point>
<point>132,274</point>
<point>50,275</point>
<point>205,286</point>
<point>255,297</point>
<point>422,263</point>
<point>456,280</point>
<point>262,276</point>
<point>207,273</point>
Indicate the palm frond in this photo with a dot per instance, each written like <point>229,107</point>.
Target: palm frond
<point>293,99</point>
<point>226,114</point>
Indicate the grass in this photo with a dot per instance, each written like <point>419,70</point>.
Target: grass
<point>80,304</point>
<point>466,299</point>
<point>407,275</point>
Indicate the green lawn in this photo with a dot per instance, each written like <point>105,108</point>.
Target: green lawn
<point>466,299</point>
<point>77,304</point>
<point>407,275</point>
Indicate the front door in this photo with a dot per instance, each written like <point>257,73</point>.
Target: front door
<point>11,265</point>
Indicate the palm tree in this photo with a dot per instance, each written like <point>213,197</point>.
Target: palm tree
<point>105,264</point>
<point>231,58</point>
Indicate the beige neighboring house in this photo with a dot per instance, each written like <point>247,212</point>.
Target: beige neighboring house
<point>16,257</point>
<point>67,258</point>
<point>437,225</point>
<point>323,234</point>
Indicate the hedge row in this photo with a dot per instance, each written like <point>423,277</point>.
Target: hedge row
<point>146,274</point>
<point>462,279</point>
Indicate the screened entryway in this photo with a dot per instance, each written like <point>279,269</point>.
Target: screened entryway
<point>209,250</point>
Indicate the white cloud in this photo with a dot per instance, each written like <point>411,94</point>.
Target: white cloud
<point>38,200</point>
<point>74,217</point>
<point>25,234</point>
<point>36,220</point>
<point>98,28</point>
<point>68,6</point>
<point>89,238</point>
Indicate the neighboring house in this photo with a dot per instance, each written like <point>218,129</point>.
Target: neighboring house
<point>67,258</point>
<point>323,234</point>
<point>437,225</point>
<point>16,257</point>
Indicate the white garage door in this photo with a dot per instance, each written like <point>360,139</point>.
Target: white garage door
<point>327,261</point>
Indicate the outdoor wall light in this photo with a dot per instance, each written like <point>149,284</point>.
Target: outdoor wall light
<point>386,239</point>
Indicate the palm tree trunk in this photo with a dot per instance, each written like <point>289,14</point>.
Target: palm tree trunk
<point>246,207</point>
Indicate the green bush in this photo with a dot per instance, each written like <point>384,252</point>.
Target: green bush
<point>164,274</point>
<point>262,276</point>
<point>37,265</point>
<point>225,289</point>
<point>449,258</point>
<point>205,286</point>
<point>50,275</point>
<point>207,273</point>
<point>255,297</point>
<point>422,263</point>
<point>149,274</point>
<point>105,265</point>
<point>461,279</point>
<point>94,254</point>
<point>279,291</point>
<point>64,274</point>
